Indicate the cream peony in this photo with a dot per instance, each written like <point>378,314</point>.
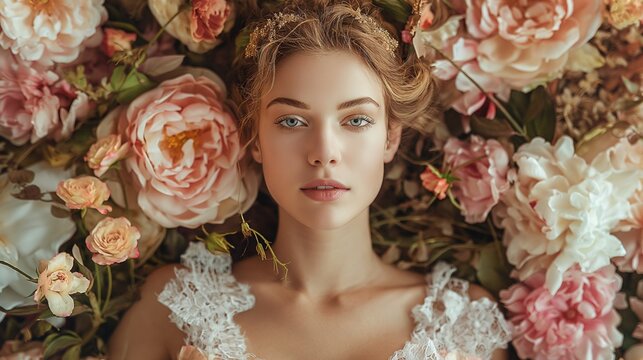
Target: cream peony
<point>56,282</point>
<point>527,43</point>
<point>50,31</point>
<point>113,241</point>
<point>28,233</point>
<point>561,210</point>
<point>185,153</point>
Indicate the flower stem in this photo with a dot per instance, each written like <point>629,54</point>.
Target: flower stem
<point>99,285</point>
<point>514,124</point>
<point>109,288</point>
<point>162,30</point>
<point>33,280</point>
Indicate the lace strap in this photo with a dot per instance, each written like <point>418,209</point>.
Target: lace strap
<point>203,300</point>
<point>450,321</point>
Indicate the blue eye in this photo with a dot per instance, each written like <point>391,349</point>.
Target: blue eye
<point>290,122</point>
<point>361,122</point>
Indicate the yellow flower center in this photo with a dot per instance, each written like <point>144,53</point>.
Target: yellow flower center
<point>173,144</point>
<point>39,5</point>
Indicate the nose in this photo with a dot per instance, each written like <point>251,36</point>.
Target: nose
<point>324,147</point>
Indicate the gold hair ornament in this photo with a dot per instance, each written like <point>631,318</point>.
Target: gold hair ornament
<point>268,31</point>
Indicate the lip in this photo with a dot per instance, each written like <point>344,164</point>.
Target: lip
<point>324,182</point>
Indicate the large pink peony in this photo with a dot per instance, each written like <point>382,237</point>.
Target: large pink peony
<point>35,103</point>
<point>50,31</point>
<point>528,42</point>
<point>185,154</point>
<point>481,167</point>
<point>578,322</point>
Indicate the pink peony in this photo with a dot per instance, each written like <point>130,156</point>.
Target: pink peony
<point>185,153</point>
<point>116,40</point>
<point>464,52</point>
<point>84,192</point>
<point>481,167</point>
<point>50,31</point>
<point>35,103</point>
<point>113,241</point>
<point>208,18</point>
<point>578,322</point>
<point>526,43</point>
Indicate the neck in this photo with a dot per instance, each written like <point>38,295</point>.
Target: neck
<point>325,263</point>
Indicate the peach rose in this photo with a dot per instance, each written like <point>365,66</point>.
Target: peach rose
<point>208,18</point>
<point>528,43</point>
<point>185,154</point>
<point>56,282</point>
<point>50,31</point>
<point>197,29</point>
<point>105,152</point>
<point>84,192</point>
<point>113,241</point>
<point>116,40</point>
<point>481,167</point>
<point>433,182</point>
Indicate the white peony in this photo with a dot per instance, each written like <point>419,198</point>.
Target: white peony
<point>561,210</point>
<point>28,233</point>
<point>50,31</point>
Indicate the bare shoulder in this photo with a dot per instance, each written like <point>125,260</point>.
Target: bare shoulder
<point>477,292</point>
<point>146,324</point>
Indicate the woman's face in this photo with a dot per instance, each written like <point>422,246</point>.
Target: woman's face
<point>324,119</point>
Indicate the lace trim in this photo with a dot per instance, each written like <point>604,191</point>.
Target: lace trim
<point>203,300</point>
<point>449,323</point>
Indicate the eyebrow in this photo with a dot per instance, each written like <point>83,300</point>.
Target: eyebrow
<point>301,105</point>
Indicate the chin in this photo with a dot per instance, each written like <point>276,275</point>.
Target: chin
<point>325,219</point>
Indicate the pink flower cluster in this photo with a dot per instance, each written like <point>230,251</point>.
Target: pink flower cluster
<point>35,103</point>
<point>577,322</point>
<point>510,45</point>
<point>481,167</point>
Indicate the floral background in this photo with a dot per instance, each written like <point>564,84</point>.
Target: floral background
<point>119,146</point>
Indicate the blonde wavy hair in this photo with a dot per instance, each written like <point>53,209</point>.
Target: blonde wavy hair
<point>332,26</point>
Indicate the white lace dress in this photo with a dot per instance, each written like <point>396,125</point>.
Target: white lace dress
<point>204,298</point>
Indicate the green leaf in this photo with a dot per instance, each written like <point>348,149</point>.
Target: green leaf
<point>118,78</point>
<point>73,353</point>
<point>490,128</point>
<point>493,272</point>
<point>540,117</point>
<point>134,84</point>
<point>60,341</point>
<point>517,105</point>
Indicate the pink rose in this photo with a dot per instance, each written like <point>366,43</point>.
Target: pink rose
<point>527,43</point>
<point>577,322</point>
<point>481,167</point>
<point>56,282</point>
<point>105,152</point>
<point>84,192</point>
<point>432,181</point>
<point>113,241</point>
<point>35,103</point>
<point>208,18</point>
<point>116,40</point>
<point>426,17</point>
<point>186,149</point>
